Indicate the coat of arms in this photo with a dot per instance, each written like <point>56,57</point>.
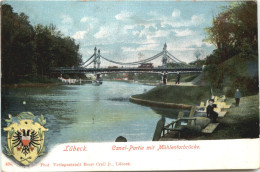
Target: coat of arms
<point>25,139</point>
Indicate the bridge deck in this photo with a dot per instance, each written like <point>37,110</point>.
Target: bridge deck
<point>111,70</point>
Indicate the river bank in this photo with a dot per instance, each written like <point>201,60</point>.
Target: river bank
<point>188,95</point>
<point>21,85</point>
<point>46,83</point>
<point>239,122</point>
<point>32,82</point>
<point>159,104</point>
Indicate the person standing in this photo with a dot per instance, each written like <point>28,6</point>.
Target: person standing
<point>164,78</point>
<point>178,78</point>
<point>237,97</point>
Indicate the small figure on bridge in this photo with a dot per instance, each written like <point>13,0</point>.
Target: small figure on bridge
<point>211,114</point>
<point>178,78</point>
<point>237,97</point>
<point>164,78</point>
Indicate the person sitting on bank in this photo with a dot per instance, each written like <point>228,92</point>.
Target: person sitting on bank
<point>211,114</point>
<point>237,97</point>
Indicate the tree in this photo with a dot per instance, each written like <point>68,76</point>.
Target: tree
<point>234,33</point>
<point>235,30</point>
<point>17,45</point>
<point>29,52</point>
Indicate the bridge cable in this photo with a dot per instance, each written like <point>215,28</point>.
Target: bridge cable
<point>87,60</point>
<point>180,63</point>
<point>90,62</point>
<point>173,56</point>
<point>137,62</point>
<point>175,61</point>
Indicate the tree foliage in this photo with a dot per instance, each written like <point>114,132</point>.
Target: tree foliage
<point>30,51</point>
<point>234,33</point>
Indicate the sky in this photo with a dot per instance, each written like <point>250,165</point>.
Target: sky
<point>127,31</point>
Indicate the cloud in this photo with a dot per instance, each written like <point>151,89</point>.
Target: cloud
<point>146,33</point>
<point>176,13</point>
<point>66,19</point>
<point>154,36</point>
<point>180,33</point>
<point>135,32</point>
<point>197,19</point>
<point>207,44</point>
<point>66,24</point>
<point>184,48</point>
<point>102,33</point>
<point>143,47</point>
<point>123,15</point>
<point>88,19</point>
<point>114,33</point>
<point>79,35</point>
<point>160,33</point>
<point>83,20</point>
<point>128,27</point>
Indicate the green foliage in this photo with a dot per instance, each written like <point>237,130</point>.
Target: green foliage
<point>174,94</point>
<point>148,76</point>
<point>247,86</point>
<point>198,63</point>
<point>29,51</point>
<point>40,150</point>
<point>234,32</point>
<point>41,120</point>
<point>235,29</point>
<point>9,152</point>
<point>25,115</point>
<point>190,78</point>
<point>10,120</point>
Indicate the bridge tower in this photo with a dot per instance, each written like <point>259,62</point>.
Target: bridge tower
<point>164,59</point>
<point>95,57</point>
<point>98,59</point>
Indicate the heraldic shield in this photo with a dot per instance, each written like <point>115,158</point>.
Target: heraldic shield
<point>25,140</point>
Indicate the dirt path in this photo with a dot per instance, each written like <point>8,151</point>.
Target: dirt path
<point>194,82</point>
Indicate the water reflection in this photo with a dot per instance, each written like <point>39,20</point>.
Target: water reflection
<point>70,110</point>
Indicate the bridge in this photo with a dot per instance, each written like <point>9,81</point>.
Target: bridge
<point>95,59</point>
<point>81,70</point>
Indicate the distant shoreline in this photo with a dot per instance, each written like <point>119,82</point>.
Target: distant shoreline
<point>21,85</point>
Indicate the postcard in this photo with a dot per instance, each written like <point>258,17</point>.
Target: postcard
<point>129,85</point>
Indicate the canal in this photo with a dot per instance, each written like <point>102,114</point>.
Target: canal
<point>86,113</point>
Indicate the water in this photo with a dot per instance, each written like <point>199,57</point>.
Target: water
<point>86,113</point>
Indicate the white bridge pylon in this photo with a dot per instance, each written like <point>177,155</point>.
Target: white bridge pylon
<point>166,56</point>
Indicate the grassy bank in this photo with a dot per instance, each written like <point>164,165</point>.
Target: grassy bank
<point>33,82</point>
<point>240,122</point>
<point>190,95</point>
<point>20,85</point>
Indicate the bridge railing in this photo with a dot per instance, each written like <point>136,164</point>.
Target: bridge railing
<point>107,70</point>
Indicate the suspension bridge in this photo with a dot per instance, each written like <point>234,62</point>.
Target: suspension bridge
<point>95,59</point>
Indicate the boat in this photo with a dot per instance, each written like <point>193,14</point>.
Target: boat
<point>96,83</point>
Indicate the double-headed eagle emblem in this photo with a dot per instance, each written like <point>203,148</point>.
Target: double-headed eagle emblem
<point>25,139</point>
